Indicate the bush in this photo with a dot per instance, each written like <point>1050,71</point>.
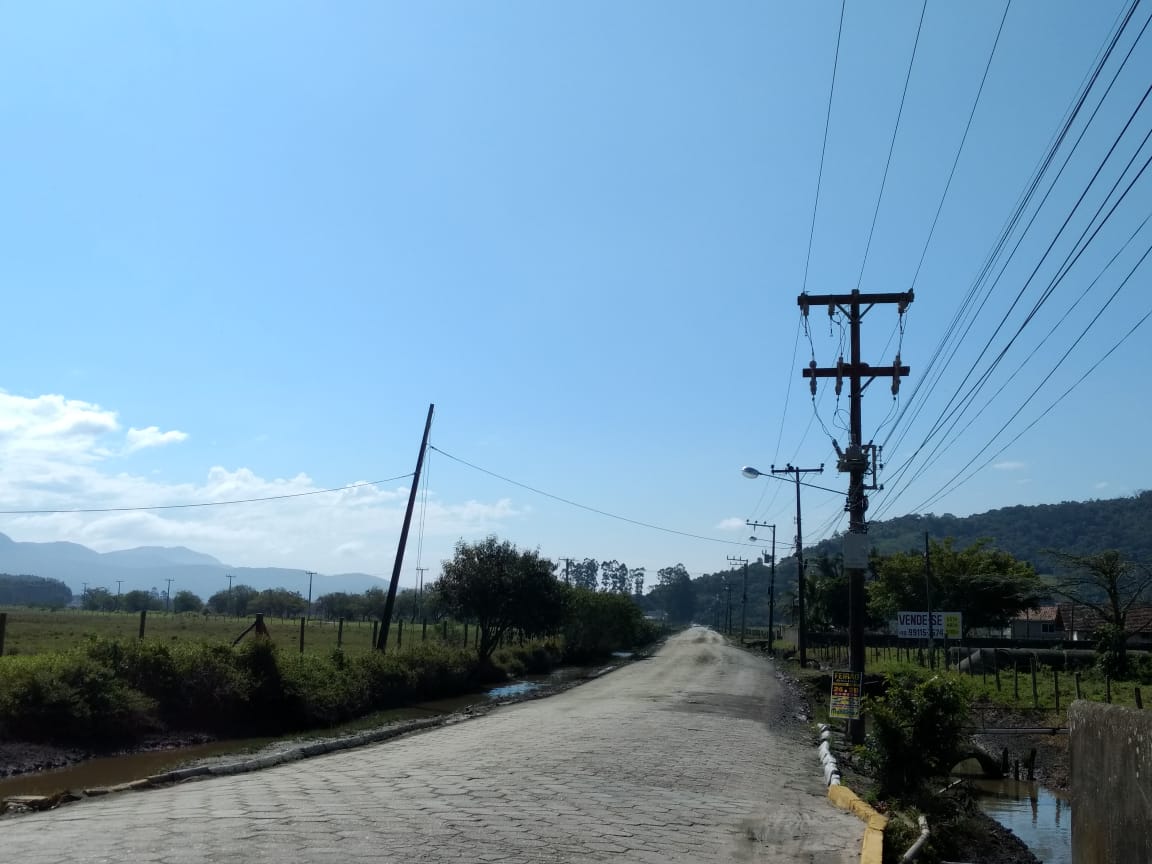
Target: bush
<point>916,732</point>
<point>597,623</point>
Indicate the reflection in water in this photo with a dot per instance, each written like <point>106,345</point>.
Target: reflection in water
<point>1038,816</point>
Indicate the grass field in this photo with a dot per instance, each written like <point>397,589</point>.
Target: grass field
<point>31,631</point>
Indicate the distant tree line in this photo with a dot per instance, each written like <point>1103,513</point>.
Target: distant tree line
<point>25,590</point>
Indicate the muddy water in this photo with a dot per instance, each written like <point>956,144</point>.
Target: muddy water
<point>112,770</point>
<point>1038,816</point>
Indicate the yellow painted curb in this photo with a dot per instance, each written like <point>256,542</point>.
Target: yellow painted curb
<point>872,849</point>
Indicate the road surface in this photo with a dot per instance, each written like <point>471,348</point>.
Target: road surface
<point>689,756</point>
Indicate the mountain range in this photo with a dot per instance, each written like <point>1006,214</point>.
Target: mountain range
<point>148,567</point>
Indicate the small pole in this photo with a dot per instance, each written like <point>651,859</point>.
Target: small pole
<point>375,625</point>
<point>444,635</point>
<point>1031,764</point>
<point>1108,689</point>
<point>983,669</point>
<point>996,667</point>
<point>143,619</point>
<point>1056,687</point>
<point>1035,692</point>
<point>1016,681</point>
<point>423,629</point>
<point>1135,692</point>
<point>399,634</point>
<point>465,634</point>
<point>3,627</point>
<point>1076,678</point>
<point>340,633</point>
<point>302,620</point>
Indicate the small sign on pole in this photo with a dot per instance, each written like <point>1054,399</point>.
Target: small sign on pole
<point>847,689</point>
<point>914,625</point>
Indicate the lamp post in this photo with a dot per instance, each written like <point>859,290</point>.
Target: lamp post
<point>801,633</point>
<point>771,580</point>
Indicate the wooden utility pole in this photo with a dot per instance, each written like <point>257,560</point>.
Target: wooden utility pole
<point>743,596</point>
<point>801,627</point>
<point>771,581</point>
<point>382,644</point>
<point>168,596</point>
<point>308,611</point>
<point>928,597</point>
<point>859,460</point>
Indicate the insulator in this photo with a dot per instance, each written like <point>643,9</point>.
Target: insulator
<point>804,305</point>
<point>831,310</point>
<point>812,382</point>
<point>839,374</point>
<point>896,375</point>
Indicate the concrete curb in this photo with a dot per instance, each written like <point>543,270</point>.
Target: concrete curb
<point>872,848</point>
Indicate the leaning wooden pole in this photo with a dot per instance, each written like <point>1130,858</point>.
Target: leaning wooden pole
<point>386,619</point>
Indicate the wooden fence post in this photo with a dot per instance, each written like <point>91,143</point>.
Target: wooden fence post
<point>423,629</point>
<point>444,636</point>
<point>400,635</point>
<point>375,628</point>
<point>1108,689</point>
<point>1016,680</point>
<point>340,633</point>
<point>3,627</point>
<point>143,619</point>
<point>1056,687</point>
<point>302,620</point>
<point>996,669</point>
<point>465,634</point>
<point>983,669</point>
<point>1139,698</point>
<point>1076,678</point>
<point>1035,692</point>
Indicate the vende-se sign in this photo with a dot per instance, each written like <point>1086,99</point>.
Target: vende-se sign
<point>914,625</point>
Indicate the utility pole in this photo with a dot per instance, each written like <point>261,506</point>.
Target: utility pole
<point>728,613</point>
<point>928,597</point>
<point>801,626</point>
<point>167,595</point>
<point>859,460</point>
<point>231,605</point>
<point>566,561</point>
<point>771,580</point>
<point>419,593</point>
<point>743,596</point>
<point>308,611</point>
<point>386,618</point>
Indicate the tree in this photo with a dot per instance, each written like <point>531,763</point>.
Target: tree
<point>502,589</point>
<point>989,586</point>
<point>676,593</point>
<point>637,577</point>
<point>33,591</point>
<point>139,600</point>
<point>1110,586</point>
<point>582,574</point>
<point>186,601</point>
<point>99,600</point>
<point>233,602</point>
<point>826,594</point>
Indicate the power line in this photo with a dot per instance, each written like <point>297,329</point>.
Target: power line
<point>824,146</point>
<point>595,510</point>
<point>892,143</point>
<point>955,333</point>
<point>201,504</point>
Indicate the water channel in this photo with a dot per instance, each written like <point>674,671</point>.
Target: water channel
<point>1040,817</point>
<point>112,770</point>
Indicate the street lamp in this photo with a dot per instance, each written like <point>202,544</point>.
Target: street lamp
<point>801,629</point>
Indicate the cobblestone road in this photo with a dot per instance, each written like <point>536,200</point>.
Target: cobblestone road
<point>685,757</point>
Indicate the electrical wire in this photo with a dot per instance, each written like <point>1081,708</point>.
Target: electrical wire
<point>824,146</point>
<point>892,143</point>
<point>595,510</point>
<point>203,503</point>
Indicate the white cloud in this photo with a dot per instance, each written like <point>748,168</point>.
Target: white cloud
<point>151,436</point>
<point>732,523</point>
<point>1103,484</point>
<point>1010,466</point>
<point>55,455</point>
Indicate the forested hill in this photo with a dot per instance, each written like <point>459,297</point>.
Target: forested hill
<point>33,591</point>
<point>1079,527</point>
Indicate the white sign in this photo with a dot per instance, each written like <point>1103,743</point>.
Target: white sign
<point>914,625</point>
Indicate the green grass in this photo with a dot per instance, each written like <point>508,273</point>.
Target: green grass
<point>38,632</point>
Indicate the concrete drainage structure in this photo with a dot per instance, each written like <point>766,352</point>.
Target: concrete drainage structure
<point>872,849</point>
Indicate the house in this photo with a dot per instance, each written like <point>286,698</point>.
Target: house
<point>1046,622</point>
<point>1082,622</point>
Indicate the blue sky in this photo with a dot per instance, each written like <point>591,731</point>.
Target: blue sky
<point>243,246</point>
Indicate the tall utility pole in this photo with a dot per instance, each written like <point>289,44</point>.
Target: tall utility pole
<point>566,561</point>
<point>771,580</point>
<point>743,596</point>
<point>308,611</point>
<point>801,626</point>
<point>420,571</point>
<point>728,614</point>
<point>928,597</point>
<point>167,595</point>
<point>231,606</point>
<point>859,460</point>
<point>386,618</point>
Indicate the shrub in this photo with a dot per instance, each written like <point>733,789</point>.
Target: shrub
<point>916,732</point>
